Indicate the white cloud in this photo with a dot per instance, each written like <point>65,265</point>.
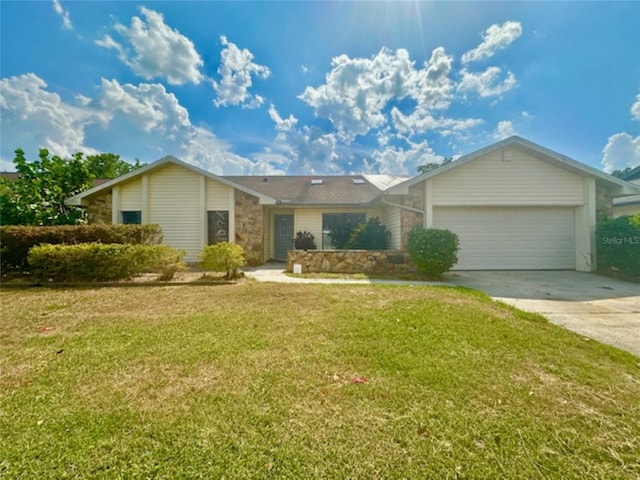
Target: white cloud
<point>33,117</point>
<point>120,115</point>
<point>147,106</point>
<point>308,149</point>
<point>635,108</point>
<point>155,117</point>
<point>621,151</point>
<point>494,39</point>
<point>505,129</point>
<point>358,90</point>
<point>158,50</point>
<point>64,14</point>
<point>236,69</point>
<point>393,160</point>
<point>487,83</point>
<point>282,125</point>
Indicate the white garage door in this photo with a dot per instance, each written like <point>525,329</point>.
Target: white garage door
<point>511,238</point>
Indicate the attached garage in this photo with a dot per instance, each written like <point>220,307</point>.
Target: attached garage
<point>514,205</point>
<point>511,238</point>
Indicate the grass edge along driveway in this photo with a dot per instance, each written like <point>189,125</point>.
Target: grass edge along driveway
<point>306,381</point>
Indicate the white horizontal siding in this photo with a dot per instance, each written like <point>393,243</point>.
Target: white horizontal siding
<point>217,196</point>
<point>309,220</point>
<point>524,180</point>
<point>174,205</point>
<point>131,196</point>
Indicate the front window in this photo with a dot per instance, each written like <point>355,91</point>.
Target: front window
<point>217,226</point>
<point>132,217</point>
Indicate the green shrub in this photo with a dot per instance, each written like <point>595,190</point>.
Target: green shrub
<point>16,241</point>
<point>340,235</point>
<point>432,250</point>
<point>372,235</point>
<point>618,245</point>
<point>223,257</point>
<point>304,241</point>
<point>91,262</point>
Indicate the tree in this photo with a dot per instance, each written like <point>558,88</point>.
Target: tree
<point>427,167</point>
<point>110,165</point>
<point>623,172</point>
<point>37,196</point>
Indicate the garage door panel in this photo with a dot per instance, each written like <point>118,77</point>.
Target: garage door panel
<point>511,238</point>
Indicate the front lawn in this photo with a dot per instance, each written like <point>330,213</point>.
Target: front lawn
<point>305,381</point>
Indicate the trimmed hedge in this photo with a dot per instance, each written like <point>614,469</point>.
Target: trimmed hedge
<point>16,241</point>
<point>433,251</point>
<point>95,262</point>
<point>618,245</point>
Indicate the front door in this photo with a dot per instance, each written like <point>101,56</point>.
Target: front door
<point>283,236</point>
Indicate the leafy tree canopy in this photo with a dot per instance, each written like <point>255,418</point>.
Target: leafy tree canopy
<point>37,196</point>
<point>109,165</point>
<point>623,172</point>
<point>427,167</point>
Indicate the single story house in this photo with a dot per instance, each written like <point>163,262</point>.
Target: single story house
<point>513,204</point>
<point>629,204</point>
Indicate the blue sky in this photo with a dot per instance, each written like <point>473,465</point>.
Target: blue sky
<point>319,87</point>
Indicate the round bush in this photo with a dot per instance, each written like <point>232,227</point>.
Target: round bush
<point>223,257</point>
<point>433,251</point>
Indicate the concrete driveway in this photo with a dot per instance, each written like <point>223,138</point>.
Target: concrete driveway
<point>597,307</point>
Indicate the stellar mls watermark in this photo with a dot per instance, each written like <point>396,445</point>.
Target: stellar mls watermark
<point>620,240</point>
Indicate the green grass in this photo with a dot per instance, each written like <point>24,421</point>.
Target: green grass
<point>255,381</point>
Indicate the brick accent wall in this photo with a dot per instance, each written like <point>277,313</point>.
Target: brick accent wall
<point>250,227</point>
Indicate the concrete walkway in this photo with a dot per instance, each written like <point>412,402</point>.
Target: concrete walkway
<point>602,308</point>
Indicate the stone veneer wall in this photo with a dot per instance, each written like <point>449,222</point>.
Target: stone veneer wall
<point>99,209</point>
<point>250,227</point>
<point>350,261</point>
<point>409,219</point>
<point>604,204</point>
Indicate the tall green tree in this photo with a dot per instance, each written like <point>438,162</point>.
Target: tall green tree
<point>110,165</point>
<point>37,196</point>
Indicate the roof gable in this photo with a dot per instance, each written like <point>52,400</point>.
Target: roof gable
<point>77,199</point>
<point>533,149</point>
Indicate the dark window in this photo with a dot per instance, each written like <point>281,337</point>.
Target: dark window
<point>330,220</point>
<point>218,226</point>
<point>132,217</point>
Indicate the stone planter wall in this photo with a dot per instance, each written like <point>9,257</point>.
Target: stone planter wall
<point>350,261</point>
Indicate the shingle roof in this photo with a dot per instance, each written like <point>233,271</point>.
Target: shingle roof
<point>299,190</point>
